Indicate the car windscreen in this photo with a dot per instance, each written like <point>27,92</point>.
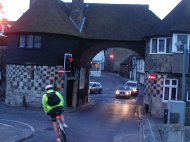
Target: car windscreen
<point>131,84</point>
<point>122,88</point>
<point>90,84</point>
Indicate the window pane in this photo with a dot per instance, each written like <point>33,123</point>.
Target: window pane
<point>166,93</point>
<point>183,39</point>
<point>37,41</point>
<point>161,45</point>
<point>29,41</point>
<point>22,41</point>
<point>173,94</point>
<point>154,45</point>
<point>167,82</point>
<point>168,45</point>
<point>174,82</point>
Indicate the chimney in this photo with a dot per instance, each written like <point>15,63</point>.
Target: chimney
<point>77,13</point>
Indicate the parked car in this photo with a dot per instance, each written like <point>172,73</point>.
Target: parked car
<point>133,85</point>
<point>95,87</point>
<point>123,91</point>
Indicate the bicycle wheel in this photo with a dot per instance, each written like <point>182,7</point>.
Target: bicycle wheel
<point>62,134</point>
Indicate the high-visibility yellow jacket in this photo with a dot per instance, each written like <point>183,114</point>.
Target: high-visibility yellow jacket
<point>45,105</point>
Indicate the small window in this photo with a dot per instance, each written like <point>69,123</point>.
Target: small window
<point>161,45</point>
<point>37,41</point>
<point>30,41</point>
<point>22,42</point>
<point>154,45</point>
<point>184,39</point>
<point>168,45</point>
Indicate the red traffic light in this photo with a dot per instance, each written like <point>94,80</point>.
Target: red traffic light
<point>112,56</point>
<point>71,59</point>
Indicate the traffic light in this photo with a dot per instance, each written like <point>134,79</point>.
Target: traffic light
<point>111,56</point>
<point>69,62</point>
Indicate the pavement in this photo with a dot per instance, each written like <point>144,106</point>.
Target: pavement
<point>13,131</point>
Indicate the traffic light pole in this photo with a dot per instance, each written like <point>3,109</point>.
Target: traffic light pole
<point>151,93</point>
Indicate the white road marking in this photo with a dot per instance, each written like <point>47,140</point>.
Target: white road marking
<point>32,129</point>
<point>6,125</point>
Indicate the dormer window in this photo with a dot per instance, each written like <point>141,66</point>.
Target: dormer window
<point>30,41</point>
<point>160,45</point>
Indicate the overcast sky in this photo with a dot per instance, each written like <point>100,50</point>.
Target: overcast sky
<point>15,8</point>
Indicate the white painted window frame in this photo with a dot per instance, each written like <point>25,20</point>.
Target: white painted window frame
<point>158,39</point>
<point>174,41</point>
<point>170,86</point>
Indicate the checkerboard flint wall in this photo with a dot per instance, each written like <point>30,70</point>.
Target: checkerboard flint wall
<point>29,81</point>
<point>157,86</point>
<point>156,93</point>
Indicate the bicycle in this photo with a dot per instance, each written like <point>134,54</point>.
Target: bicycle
<point>61,128</point>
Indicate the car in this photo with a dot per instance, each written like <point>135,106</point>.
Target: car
<point>123,91</point>
<point>133,85</point>
<point>95,87</point>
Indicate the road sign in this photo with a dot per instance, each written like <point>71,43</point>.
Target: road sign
<point>151,76</point>
<point>61,71</point>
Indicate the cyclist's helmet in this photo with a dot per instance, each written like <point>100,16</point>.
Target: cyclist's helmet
<point>49,86</point>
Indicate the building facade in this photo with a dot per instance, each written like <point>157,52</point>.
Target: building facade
<point>114,57</point>
<point>164,56</point>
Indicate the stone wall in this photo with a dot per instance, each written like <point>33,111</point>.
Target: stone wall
<point>2,71</point>
<point>154,91</point>
<point>25,83</point>
<point>157,132</point>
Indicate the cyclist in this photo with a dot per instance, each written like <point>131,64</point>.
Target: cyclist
<point>53,103</point>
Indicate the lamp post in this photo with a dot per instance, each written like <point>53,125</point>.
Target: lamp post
<point>182,46</point>
<point>184,69</point>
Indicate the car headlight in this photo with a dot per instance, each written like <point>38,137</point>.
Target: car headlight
<point>134,90</point>
<point>127,93</point>
<point>117,92</point>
